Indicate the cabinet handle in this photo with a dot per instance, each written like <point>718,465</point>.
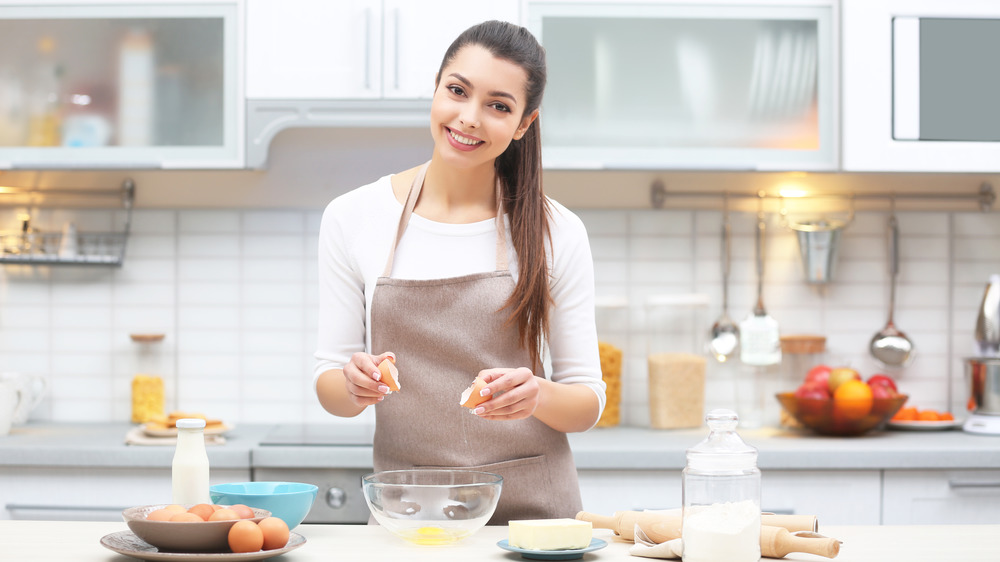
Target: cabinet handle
<point>336,498</point>
<point>39,507</point>
<point>973,484</point>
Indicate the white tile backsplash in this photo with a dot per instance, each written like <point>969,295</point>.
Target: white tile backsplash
<point>235,293</point>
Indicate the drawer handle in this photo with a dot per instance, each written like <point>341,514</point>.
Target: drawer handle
<point>336,498</point>
<point>973,484</point>
<point>39,507</point>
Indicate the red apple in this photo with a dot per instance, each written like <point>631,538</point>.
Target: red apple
<point>841,375</point>
<point>882,380</point>
<point>813,391</point>
<point>882,391</point>
<point>819,373</point>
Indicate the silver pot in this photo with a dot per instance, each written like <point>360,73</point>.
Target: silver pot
<point>983,376</point>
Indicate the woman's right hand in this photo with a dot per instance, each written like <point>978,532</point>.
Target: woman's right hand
<point>362,378</point>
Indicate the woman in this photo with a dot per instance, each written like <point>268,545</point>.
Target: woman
<point>462,267</point>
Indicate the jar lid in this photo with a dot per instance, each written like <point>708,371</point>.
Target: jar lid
<point>723,449</point>
<point>190,423</point>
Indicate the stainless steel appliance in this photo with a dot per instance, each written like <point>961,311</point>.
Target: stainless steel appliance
<point>339,499</point>
<point>982,373</point>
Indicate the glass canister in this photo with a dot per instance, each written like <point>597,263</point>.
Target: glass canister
<point>612,318</point>
<point>721,496</point>
<point>799,354</point>
<point>676,361</point>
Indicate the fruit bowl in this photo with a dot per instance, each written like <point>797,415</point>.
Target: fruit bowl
<point>432,506</point>
<point>843,418</point>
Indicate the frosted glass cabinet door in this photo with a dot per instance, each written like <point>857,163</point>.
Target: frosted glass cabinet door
<point>124,85</point>
<point>688,86</point>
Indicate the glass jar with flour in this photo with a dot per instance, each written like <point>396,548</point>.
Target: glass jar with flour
<point>721,496</point>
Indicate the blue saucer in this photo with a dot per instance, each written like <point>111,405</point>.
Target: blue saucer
<point>573,554</point>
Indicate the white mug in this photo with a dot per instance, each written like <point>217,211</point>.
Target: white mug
<point>31,389</point>
<point>9,397</point>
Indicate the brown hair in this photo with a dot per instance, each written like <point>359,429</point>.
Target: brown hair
<point>519,170</point>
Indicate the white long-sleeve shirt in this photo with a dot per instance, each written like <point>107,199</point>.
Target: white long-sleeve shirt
<point>356,236</point>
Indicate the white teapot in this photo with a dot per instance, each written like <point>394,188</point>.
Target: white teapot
<point>30,390</point>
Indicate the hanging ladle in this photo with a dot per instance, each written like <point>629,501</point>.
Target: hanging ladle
<point>890,346</point>
<point>725,334</point>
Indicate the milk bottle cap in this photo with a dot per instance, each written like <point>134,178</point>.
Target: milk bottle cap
<point>190,423</point>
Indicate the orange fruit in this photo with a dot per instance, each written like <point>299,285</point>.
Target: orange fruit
<point>946,416</point>
<point>853,399</point>
<point>928,415</point>
<point>908,413</point>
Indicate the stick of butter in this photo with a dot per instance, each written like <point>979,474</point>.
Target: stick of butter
<point>550,534</point>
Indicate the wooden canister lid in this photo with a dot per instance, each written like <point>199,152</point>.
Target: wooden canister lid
<point>802,344</point>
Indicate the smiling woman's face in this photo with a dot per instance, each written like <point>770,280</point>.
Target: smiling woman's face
<point>477,107</point>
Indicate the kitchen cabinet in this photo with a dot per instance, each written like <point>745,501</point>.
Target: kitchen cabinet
<point>355,49</point>
<point>838,497</point>
<point>89,493</point>
<point>689,85</point>
<point>138,85</point>
<point>919,83</point>
<point>355,63</point>
<point>922,497</point>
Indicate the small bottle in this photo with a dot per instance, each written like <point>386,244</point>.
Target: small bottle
<point>721,496</point>
<point>190,466</point>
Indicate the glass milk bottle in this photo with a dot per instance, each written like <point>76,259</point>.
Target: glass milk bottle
<point>190,466</point>
<point>721,496</point>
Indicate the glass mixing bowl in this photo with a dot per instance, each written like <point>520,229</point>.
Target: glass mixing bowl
<point>432,506</point>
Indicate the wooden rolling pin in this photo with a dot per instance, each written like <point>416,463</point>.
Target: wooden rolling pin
<point>623,522</point>
<point>775,541</point>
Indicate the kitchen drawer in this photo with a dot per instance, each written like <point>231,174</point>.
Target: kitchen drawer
<point>608,491</point>
<point>92,494</point>
<point>835,497</point>
<point>931,497</point>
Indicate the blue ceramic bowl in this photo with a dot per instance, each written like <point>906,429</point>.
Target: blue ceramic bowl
<point>289,501</point>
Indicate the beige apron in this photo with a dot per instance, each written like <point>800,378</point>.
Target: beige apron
<point>443,332</point>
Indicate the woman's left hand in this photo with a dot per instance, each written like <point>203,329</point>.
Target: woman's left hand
<point>515,394</point>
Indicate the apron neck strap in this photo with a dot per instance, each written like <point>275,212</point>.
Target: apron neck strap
<point>411,202</point>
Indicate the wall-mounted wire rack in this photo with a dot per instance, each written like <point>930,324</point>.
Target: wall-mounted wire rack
<point>29,246</point>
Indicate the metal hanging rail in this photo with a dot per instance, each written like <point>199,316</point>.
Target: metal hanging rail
<point>985,197</point>
<point>31,246</point>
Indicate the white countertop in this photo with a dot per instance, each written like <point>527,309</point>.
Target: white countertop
<point>26,541</point>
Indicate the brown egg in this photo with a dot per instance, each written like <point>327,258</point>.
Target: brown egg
<point>202,510</point>
<point>187,518</point>
<point>162,514</point>
<point>245,536</point>
<point>223,514</point>
<point>275,532</point>
<point>243,511</point>
<point>174,508</point>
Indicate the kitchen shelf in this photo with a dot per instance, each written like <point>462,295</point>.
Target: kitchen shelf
<point>32,247</point>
